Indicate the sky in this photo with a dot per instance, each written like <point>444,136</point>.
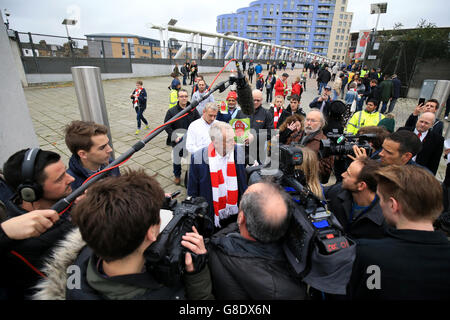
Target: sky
<point>135,16</point>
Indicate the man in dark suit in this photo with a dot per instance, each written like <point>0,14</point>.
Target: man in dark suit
<point>431,105</point>
<point>432,143</point>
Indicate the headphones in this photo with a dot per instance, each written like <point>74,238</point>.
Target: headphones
<point>30,190</point>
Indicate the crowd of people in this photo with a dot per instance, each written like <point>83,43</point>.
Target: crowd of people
<point>386,199</point>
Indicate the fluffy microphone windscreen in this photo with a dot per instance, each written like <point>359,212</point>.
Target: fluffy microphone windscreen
<point>245,99</point>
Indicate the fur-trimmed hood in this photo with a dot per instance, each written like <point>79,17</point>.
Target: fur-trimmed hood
<point>55,267</point>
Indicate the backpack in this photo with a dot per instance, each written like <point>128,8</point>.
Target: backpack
<point>251,70</point>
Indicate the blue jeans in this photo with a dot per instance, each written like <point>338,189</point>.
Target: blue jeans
<point>335,95</point>
<point>392,105</point>
<point>140,116</point>
<point>384,107</point>
<point>360,103</point>
<point>321,86</point>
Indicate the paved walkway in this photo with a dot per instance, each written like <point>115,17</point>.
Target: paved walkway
<point>53,107</point>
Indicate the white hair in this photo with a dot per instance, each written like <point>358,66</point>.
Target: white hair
<point>211,105</point>
<point>218,128</point>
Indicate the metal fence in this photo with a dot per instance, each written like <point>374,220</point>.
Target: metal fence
<point>43,45</point>
<point>124,47</point>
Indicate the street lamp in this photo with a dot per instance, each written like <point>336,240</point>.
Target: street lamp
<point>70,22</point>
<point>375,8</point>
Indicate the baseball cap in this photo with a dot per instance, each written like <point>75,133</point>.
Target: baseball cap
<point>327,87</point>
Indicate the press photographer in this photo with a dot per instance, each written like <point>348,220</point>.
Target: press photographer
<point>108,253</point>
<point>355,202</point>
<point>315,244</point>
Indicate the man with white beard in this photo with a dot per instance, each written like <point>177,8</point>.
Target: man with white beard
<point>311,137</point>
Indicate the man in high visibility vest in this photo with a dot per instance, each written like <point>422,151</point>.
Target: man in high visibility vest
<point>364,118</point>
<point>173,96</point>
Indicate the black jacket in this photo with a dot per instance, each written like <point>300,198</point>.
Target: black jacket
<point>287,113</point>
<point>438,126</point>
<point>324,76</point>
<point>80,173</point>
<point>142,99</point>
<point>16,275</point>
<point>413,265</point>
<point>242,269</point>
<point>374,93</point>
<point>261,119</point>
<point>432,147</point>
<point>183,123</point>
<point>369,224</point>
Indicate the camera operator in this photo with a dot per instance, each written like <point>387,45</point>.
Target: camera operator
<point>377,142</point>
<point>355,203</point>
<point>118,220</point>
<point>247,260</point>
<point>398,148</point>
<point>39,179</point>
<point>412,261</point>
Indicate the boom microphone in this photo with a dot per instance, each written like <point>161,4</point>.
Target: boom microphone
<point>244,93</point>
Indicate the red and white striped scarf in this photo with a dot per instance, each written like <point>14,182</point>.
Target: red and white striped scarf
<point>224,191</point>
<point>276,116</point>
<point>137,92</point>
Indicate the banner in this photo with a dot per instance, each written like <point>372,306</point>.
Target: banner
<point>363,40</point>
<point>245,48</point>
<point>224,107</point>
<point>241,129</point>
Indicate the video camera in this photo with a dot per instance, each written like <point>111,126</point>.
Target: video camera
<point>165,258</point>
<point>342,144</point>
<point>315,244</point>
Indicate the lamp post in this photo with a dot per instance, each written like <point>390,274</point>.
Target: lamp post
<point>71,22</point>
<point>375,8</point>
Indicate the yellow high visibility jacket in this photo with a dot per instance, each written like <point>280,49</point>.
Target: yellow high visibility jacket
<point>363,119</point>
<point>173,98</point>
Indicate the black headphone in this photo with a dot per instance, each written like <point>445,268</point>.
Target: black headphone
<point>30,190</point>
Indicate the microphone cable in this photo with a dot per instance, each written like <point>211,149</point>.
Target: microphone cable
<point>108,169</point>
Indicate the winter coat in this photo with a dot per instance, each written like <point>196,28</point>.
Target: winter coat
<point>73,252</point>
<point>16,276</point>
<point>80,173</point>
<point>249,270</point>
<point>182,123</point>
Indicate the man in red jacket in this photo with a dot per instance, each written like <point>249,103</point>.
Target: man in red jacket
<point>281,86</point>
